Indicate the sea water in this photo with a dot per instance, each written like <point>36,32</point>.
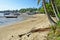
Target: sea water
<point>7,21</point>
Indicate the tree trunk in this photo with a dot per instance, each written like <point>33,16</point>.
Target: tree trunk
<point>57,10</point>
<point>49,17</point>
<point>54,9</point>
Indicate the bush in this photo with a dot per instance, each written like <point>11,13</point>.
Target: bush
<point>59,15</point>
<point>54,33</point>
<point>58,24</point>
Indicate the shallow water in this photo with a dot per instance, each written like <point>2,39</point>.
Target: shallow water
<point>7,21</point>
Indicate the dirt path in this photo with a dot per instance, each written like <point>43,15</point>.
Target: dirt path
<point>12,32</point>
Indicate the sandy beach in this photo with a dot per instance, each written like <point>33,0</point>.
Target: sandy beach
<point>13,31</point>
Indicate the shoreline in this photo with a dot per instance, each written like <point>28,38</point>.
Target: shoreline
<point>22,19</point>
<point>13,23</point>
<point>37,21</point>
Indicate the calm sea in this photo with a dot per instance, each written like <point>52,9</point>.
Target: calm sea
<point>7,21</point>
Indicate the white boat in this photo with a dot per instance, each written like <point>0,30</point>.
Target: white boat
<point>11,16</point>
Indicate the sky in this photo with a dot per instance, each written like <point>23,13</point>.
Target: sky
<point>18,4</point>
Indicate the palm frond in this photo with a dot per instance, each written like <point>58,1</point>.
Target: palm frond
<point>38,2</point>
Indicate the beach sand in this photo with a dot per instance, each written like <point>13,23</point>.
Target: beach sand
<point>13,31</point>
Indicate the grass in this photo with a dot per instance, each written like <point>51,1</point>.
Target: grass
<point>54,34</point>
<point>59,15</point>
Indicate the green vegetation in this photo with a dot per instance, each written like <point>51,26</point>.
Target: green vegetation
<point>27,9</point>
<point>52,8</point>
<point>54,34</point>
<point>41,10</point>
<point>58,4</point>
<point>49,9</point>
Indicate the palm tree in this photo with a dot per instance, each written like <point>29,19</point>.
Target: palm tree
<point>55,9</point>
<point>46,12</point>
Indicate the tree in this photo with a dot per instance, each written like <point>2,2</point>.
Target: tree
<point>58,4</point>
<point>45,9</point>
<point>55,9</point>
<point>27,9</point>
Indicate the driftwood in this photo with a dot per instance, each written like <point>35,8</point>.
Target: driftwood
<point>35,30</point>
